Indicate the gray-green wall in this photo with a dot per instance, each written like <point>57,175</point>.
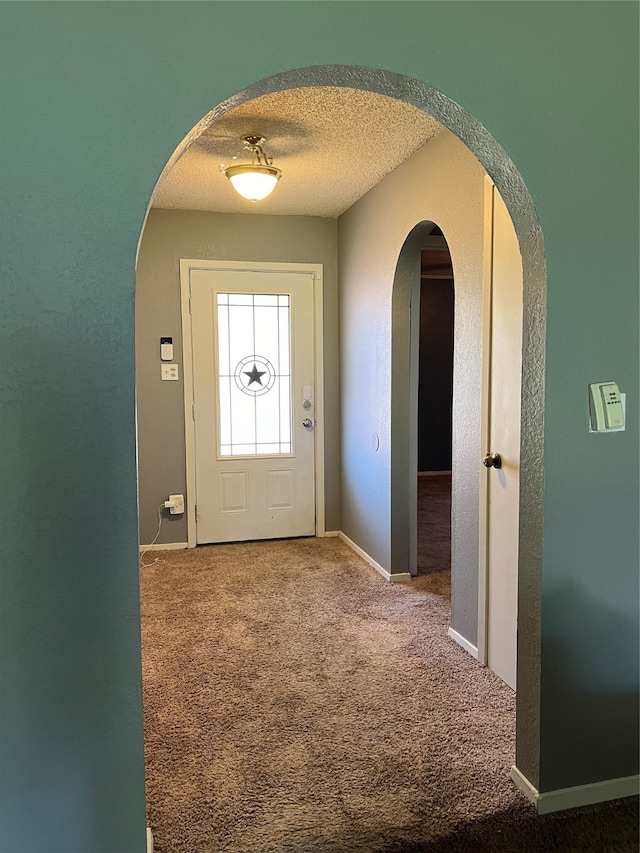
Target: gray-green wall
<point>170,235</point>
<point>100,95</point>
<point>442,183</point>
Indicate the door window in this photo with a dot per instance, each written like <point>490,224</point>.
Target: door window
<point>254,374</point>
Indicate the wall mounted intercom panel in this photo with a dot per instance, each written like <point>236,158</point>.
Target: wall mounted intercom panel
<point>166,349</point>
<point>606,407</point>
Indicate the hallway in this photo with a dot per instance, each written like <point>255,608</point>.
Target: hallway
<point>434,522</point>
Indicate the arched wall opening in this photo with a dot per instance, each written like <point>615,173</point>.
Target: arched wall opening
<point>406,435</point>
<point>404,419</point>
<point>497,164</point>
<point>409,403</point>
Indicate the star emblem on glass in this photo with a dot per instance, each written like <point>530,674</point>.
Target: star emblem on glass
<point>254,375</point>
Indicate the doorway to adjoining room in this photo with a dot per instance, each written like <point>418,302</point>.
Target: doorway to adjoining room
<point>435,398</point>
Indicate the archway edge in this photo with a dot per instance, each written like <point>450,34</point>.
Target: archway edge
<point>521,208</point>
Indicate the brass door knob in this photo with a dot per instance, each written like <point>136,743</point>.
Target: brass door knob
<point>492,460</point>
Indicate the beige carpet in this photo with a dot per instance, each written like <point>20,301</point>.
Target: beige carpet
<point>295,702</point>
<point>434,523</point>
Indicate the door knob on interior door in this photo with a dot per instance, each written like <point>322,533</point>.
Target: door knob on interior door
<point>492,460</point>
<point>307,423</point>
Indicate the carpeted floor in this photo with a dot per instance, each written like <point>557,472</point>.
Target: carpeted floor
<point>434,523</point>
<point>295,702</point>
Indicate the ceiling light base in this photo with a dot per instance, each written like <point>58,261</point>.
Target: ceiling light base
<point>257,179</point>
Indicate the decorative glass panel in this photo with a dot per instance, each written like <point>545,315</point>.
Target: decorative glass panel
<point>254,374</point>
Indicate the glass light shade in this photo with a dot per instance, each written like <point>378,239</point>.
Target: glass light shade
<point>253,182</point>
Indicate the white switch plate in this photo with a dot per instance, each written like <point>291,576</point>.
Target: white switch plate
<point>169,371</point>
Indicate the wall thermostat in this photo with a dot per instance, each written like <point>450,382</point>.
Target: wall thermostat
<point>606,407</point>
<point>166,349</point>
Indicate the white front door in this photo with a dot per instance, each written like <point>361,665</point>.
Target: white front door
<point>252,334</point>
<point>501,485</point>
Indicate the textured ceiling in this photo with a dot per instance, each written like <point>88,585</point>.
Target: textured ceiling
<point>332,144</point>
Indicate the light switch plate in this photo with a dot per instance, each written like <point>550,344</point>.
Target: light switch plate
<point>170,372</point>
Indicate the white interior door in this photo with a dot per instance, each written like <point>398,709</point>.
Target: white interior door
<point>501,439</point>
<point>252,335</point>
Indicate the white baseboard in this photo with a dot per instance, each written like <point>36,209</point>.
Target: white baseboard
<point>166,546</point>
<point>466,645</point>
<point>582,795</point>
<point>392,578</point>
<point>329,533</point>
<point>149,841</point>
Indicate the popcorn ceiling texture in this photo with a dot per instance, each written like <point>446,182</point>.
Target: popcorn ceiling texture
<point>333,145</point>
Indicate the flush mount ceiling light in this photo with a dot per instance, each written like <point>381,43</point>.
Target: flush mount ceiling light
<point>257,179</point>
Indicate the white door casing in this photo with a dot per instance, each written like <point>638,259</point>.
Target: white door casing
<point>264,491</point>
<point>500,487</point>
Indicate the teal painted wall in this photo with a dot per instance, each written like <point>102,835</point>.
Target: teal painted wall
<point>95,97</point>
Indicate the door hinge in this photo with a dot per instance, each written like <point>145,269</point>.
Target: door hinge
<point>196,511</point>
<point>193,411</point>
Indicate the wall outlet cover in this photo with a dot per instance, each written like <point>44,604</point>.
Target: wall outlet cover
<point>178,509</point>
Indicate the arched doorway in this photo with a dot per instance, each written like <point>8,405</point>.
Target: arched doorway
<point>421,420</point>
<point>487,151</point>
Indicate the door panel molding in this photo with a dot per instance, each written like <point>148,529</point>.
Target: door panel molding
<point>234,491</point>
<point>187,265</point>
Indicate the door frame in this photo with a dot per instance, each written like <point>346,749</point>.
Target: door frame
<point>484,599</point>
<point>315,271</point>
<point>487,316</point>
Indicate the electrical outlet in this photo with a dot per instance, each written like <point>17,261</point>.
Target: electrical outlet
<point>178,507</point>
